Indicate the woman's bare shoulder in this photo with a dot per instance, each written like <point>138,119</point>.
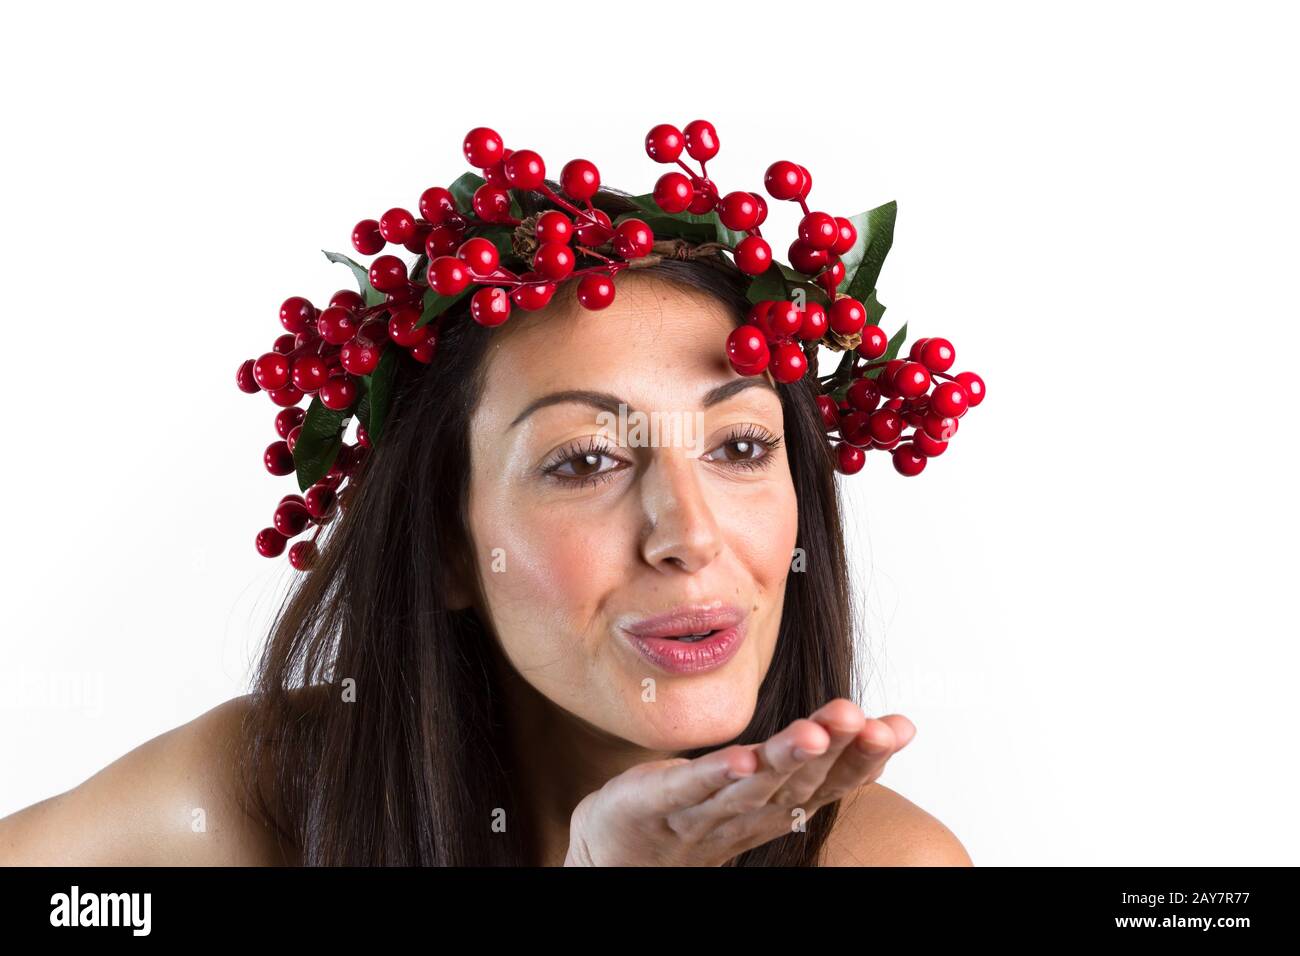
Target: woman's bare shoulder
<point>877,826</point>
<point>173,800</point>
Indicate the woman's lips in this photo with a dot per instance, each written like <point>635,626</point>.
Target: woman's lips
<point>649,638</point>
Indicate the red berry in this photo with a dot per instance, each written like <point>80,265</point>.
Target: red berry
<point>318,500</point>
<point>310,373</point>
<point>788,363</point>
<point>480,255</point>
<point>807,259</point>
<point>701,140</point>
<point>443,240</point>
<point>874,342</point>
<point>664,143</point>
<point>782,180</point>
<point>819,230</point>
<point>555,260</point>
<point>912,380</point>
<point>490,306</point>
<point>831,277</point>
<point>397,225</point>
<point>974,386</point>
<point>278,458</point>
<point>271,371</point>
<point>815,322</point>
<point>737,210</point>
<point>704,196</point>
<point>338,394</point>
<point>939,427</point>
<point>846,236</point>
<point>284,344</point>
<point>245,378</point>
<point>345,299</point>
<point>595,291</point>
<point>287,419</point>
<point>863,394</point>
<point>762,209</point>
<point>402,327</point>
<point>830,412</point>
<point>388,274</point>
<point>885,425</point>
<point>914,353</point>
<point>673,192</point>
<point>848,459</point>
<point>366,237</point>
<point>579,179</point>
<point>784,319</point>
<point>847,316</point>
<point>855,428</point>
<point>302,555</point>
<point>336,325</point>
<point>291,517</point>
<point>805,184</point>
<point>632,239</point>
<point>437,204</point>
<point>285,397</point>
<point>270,543</point>
<point>483,147</point>
<point>926,445</point>
<point>937,355</point>
<point>747,346</point>
<point>524,169</point>
<point>448,275</point>
<point>554,226</point>
<point>907,460</point>
<point>534,295</point>
<point>950,399</point>
<point>297,314</point>
<point>495,174</point>
<point>359,357</point>
<point>492,203</point>
<point>594,229</point>
<point>753,255</point>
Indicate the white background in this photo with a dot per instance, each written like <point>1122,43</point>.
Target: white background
<point>1085,606</point>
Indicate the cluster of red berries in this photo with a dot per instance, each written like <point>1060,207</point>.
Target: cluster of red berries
<point>559,235</point>
<point>876,409</point>
<point>325,354</point>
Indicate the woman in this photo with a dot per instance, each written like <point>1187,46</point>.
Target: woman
<point>467,675</point>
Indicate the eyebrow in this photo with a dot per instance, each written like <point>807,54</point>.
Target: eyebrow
<point>604,401</point>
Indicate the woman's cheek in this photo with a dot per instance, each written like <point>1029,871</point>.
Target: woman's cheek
<point>548,578</point>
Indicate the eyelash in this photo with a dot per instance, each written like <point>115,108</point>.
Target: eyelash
<point>595,446</point>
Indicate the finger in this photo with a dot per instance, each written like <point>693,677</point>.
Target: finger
<point>860,764</point>
<point>664,787</point>
<point>843,721</point>
<point>779,756</point>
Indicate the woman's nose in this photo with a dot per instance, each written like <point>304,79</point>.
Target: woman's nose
<point>683,531</point>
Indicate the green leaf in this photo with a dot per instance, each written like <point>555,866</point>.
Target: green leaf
<point>768,285</point>
<point>371,295</point>
<point>318,443</point>
<point>379,387</point>
<point>875,310</point>
<point>875,236</point>
<point>682,225</point>
<point>435,304</point>
<point>462,190</point>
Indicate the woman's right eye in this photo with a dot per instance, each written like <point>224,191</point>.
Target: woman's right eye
<point>584,467</point>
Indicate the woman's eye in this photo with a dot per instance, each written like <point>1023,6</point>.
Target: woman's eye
<point>743,449</point>
<point>582,465</point>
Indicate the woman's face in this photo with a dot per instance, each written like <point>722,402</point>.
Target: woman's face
<point>577,536</point>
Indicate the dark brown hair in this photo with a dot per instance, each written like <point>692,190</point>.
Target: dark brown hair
<point>412,775</point>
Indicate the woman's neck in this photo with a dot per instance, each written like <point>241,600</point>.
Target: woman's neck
<point>559,759</point>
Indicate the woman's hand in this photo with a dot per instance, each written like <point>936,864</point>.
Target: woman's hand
<point>684,812</point>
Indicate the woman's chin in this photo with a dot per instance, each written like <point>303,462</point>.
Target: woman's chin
<point>689,720</point>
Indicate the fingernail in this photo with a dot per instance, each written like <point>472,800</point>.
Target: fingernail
<point>734,774</point>
<point>801,754</point>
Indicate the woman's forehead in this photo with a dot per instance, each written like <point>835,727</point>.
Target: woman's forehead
<point>657,338</point>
